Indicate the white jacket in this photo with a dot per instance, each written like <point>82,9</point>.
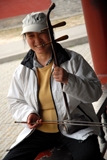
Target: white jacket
<point>82,90</point>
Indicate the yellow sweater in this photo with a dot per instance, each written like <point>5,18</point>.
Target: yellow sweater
<point>47,110</point>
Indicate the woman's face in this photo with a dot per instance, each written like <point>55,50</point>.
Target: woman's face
<point>39,42</point>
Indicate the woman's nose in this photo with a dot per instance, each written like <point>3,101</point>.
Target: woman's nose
<point>38,39</point>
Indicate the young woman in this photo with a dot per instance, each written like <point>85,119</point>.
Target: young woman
<point>36,96</point>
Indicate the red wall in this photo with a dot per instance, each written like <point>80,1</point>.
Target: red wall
<point>12,8</point>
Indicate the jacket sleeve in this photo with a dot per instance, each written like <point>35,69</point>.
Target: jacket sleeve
<point>17,104</point>
<point>83,83</point>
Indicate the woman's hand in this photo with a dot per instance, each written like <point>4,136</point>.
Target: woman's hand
<point>60,75</point>
<point>34,121</point>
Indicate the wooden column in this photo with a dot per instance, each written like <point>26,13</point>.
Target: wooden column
<point>95,14</point>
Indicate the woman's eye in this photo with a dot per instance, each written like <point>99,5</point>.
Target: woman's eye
<point>31,35</point>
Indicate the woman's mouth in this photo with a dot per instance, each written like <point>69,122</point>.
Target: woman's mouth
<point>42,45</point>
<point>39,46</point>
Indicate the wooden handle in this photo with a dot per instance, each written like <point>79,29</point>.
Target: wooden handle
<point>60,24</point>
<point>62,38</point>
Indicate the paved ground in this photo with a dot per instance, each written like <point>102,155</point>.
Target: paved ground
<point>66,8</point>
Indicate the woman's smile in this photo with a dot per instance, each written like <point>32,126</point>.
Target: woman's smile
<point>40,46</point>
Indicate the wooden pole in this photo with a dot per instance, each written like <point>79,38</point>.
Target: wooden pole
<point>95,14</point>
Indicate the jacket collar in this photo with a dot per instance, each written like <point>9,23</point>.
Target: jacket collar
<point>62,57</point>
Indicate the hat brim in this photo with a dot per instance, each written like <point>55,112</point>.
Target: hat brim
<point>33,28</point>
